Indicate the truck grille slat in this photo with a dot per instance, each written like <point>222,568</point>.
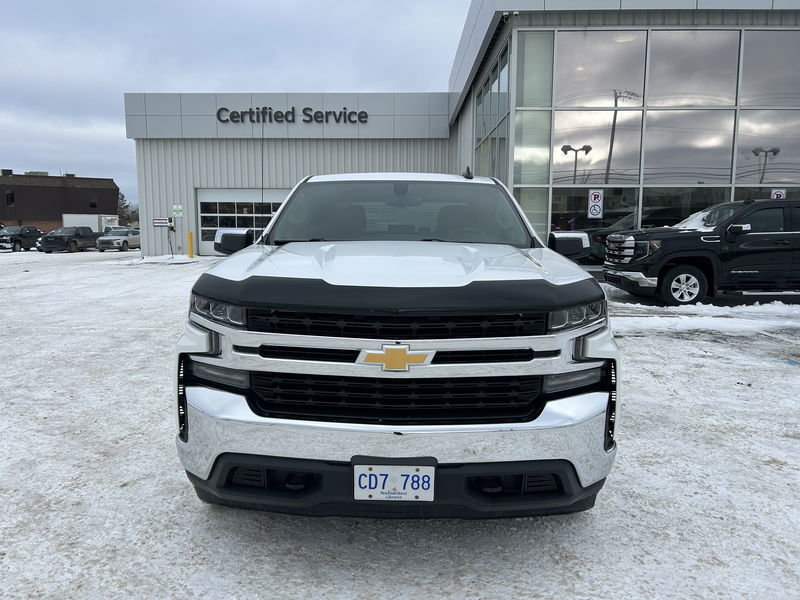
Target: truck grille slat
<point>442,357</point>
<point>396,327</point>
<point>396,401</point>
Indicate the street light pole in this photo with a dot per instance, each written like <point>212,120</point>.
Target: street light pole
<point>758,151</point>
<point>566,149</point>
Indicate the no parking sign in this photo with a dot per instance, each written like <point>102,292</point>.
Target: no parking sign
<point>595,210</point>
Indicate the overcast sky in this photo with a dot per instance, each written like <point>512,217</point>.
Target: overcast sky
<point>66,65</point>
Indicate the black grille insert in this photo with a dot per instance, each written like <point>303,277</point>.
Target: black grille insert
<point>397,401</point>
<point>442,357</point>
<point>396,327</point>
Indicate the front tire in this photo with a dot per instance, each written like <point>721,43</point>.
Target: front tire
<point>683,284</point>
<point>73,246</point>
<point>124,247</point>
<point>16,247</point>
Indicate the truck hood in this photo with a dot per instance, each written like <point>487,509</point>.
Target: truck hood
<point>658,233</point>
<point>399,264</point>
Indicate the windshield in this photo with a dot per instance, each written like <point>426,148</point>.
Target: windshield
<point>10,230</point>
<point>64,231</point>
<point>402,211</point>
<point>708,218</point>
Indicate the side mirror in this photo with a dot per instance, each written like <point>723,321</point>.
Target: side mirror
<point>572,244</point>
<point>228,241</point>
<point>738,228</point>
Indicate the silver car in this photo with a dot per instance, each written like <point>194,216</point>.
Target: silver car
<point>119,239</point>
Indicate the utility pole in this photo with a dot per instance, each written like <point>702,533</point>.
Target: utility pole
<point>618,94</point>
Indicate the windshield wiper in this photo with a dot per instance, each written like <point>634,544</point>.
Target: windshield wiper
<point>282,242</point>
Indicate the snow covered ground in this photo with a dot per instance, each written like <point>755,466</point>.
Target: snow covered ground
<point>702,502</point>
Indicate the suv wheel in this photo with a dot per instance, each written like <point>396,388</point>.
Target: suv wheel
<point>16,247</point>
<point>73,246</point>
<point>124,247</point>
<point>683,284</point>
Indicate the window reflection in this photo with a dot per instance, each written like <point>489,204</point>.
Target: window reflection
<point>768,150</point>
<point>693,68</point>
<point>570,208</point>
<point>532,147</point>
<point>594,67</point>
<point>770,76</point>
<point>534,204</point>
<point>688,146</point>
<point>662,207</point>
<point>614,138</point>
<point>534,68</point>
<point>755,193</point>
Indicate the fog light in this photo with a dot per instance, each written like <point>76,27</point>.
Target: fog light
<point>572,380</point>
<point>221,375</point>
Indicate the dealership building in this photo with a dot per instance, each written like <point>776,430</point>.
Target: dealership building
<point>657,108</point>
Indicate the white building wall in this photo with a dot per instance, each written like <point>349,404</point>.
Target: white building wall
<point>170,170</point>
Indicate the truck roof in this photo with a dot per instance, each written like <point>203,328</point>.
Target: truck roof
<point>441,177</point>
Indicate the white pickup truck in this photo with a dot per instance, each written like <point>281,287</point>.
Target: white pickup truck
<point>398,345</point>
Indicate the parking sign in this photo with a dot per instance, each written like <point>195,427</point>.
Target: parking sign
<point>595,210</point>
<point>778,194</point>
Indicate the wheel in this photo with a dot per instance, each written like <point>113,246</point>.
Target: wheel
<point>683,284</point>
<point>16,247</point>
<point>101,249</point>
<point>124,247</point>
<point>48,251</point>
<point>73,246</point>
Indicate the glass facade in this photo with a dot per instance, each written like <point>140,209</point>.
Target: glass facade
<point>662,121</point>
<point>491,121</point>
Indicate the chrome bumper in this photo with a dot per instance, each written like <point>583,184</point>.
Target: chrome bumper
<point>571,429</point>
<point>637,277</point>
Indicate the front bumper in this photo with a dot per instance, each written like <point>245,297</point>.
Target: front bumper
<point>566,441</point>
<point>532,487</point>
<point>635,282</point>
<point>54,246</point>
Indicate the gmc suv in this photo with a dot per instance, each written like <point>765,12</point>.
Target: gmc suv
<point>731,247</point>
<point>398,345</point>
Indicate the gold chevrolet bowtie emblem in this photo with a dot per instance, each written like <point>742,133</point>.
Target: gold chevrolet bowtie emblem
<point>394,357</point>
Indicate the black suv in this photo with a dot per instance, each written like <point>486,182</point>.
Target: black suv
<point>736,246</point>
<point>19,238</point>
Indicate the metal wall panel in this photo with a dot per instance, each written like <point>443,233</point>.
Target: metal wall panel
<point>170,170</point>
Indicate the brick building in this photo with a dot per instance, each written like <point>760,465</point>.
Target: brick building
<point>39,199</point>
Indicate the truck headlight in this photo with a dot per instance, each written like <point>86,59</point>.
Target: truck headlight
<point>642,249</point>
<point>221,312</point>
<point>577,316</point>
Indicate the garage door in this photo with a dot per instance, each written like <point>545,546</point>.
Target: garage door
<point>251,208</point>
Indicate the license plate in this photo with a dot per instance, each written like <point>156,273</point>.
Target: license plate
<point>385,482</point>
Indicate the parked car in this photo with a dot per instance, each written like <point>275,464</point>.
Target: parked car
<point>70,239</point>
<point>18,238</point>
<point>119,239</point>
<point>654,217</point>
<point>730,247</point>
